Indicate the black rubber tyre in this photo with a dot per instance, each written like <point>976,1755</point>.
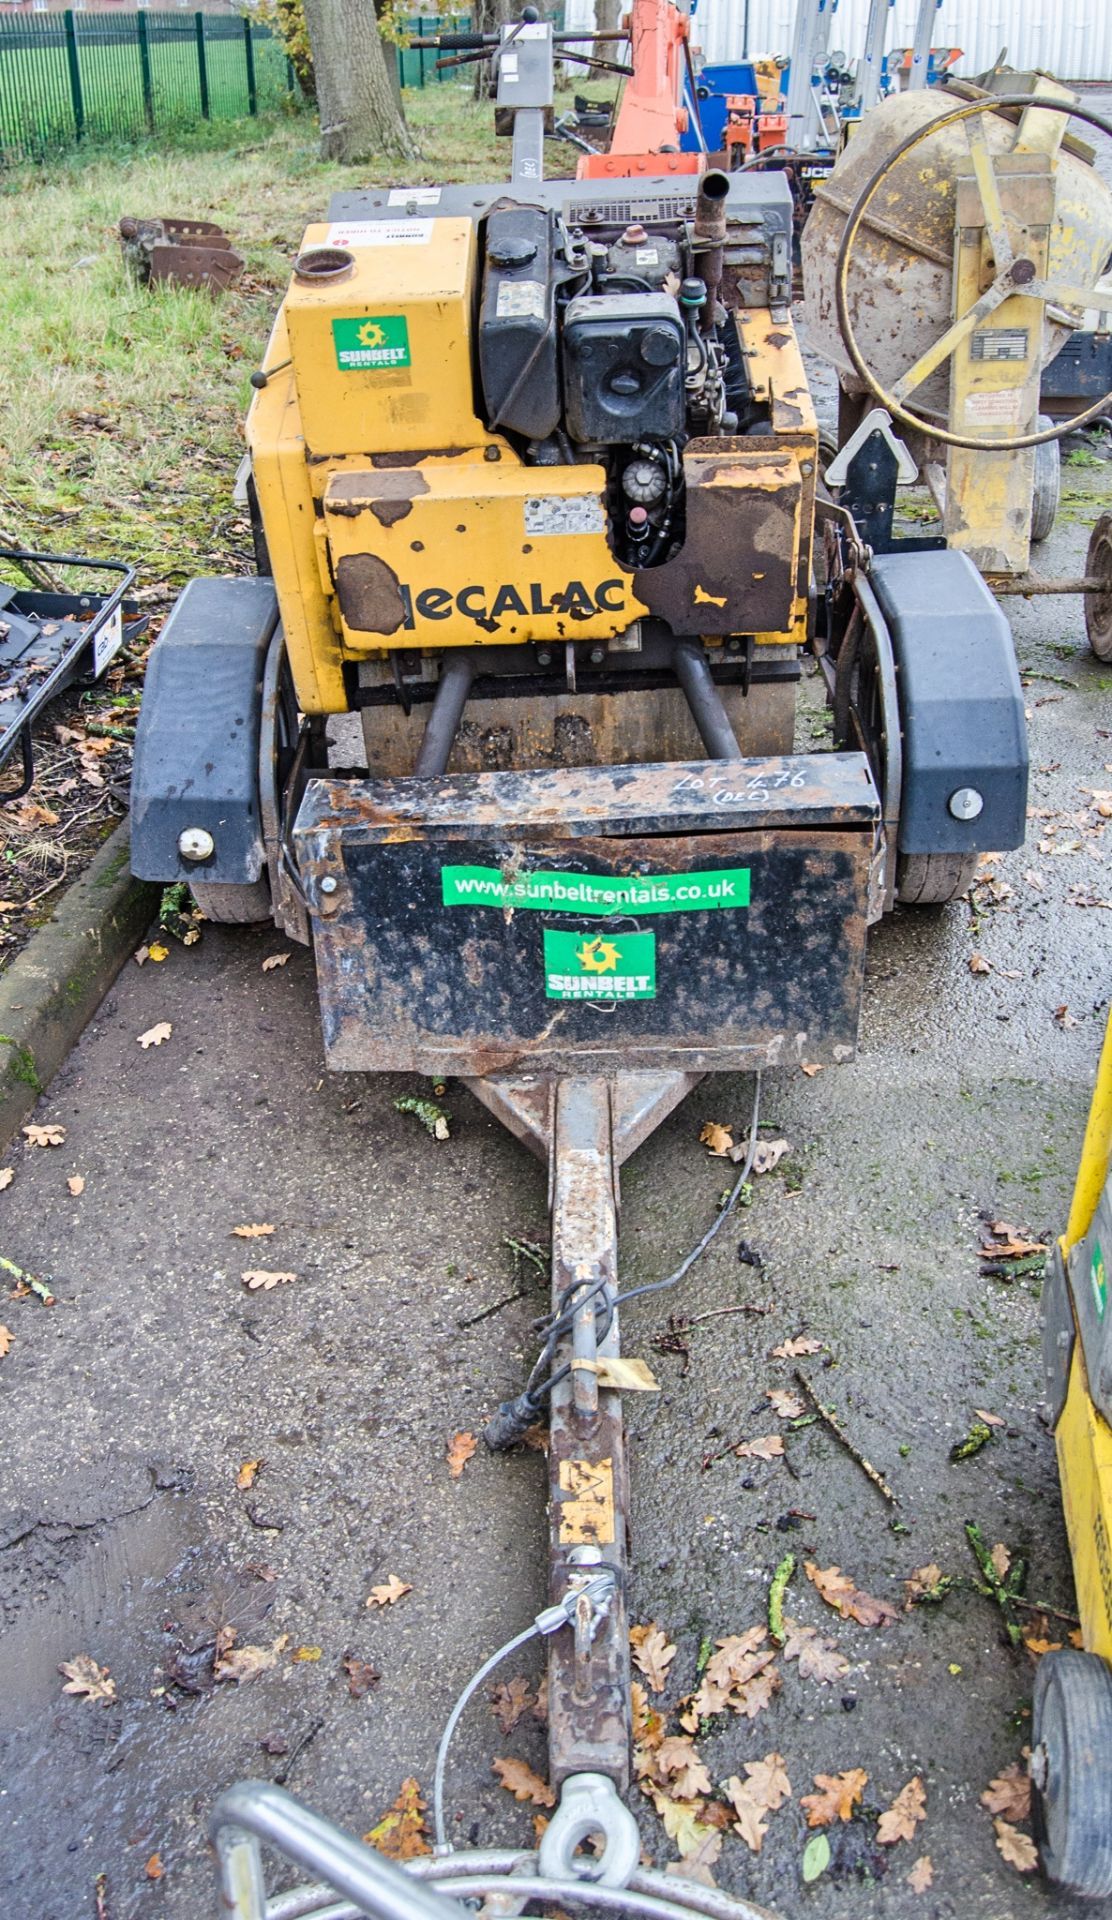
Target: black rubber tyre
<point>1071,1771</point>
<point>933,879</point>
<point>1098,606</point>
<point>1048,484</point>
<point>228,905</point>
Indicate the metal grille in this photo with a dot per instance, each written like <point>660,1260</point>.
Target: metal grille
<point>619,213</point>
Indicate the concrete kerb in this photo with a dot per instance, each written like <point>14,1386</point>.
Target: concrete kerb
<point>53,988</point>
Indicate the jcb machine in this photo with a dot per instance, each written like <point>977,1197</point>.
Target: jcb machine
<point>535,473</point>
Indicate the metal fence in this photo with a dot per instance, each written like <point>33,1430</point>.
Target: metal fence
<point>66,77</point>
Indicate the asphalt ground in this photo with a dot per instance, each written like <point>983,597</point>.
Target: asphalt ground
<point>128,1407</point>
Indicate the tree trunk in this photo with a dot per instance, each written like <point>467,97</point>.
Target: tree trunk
<point>360,118</point>
<point>607,13</point>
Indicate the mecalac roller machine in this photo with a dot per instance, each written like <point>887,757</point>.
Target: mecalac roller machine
<point>534,473</point>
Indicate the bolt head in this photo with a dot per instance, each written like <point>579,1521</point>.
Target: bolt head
<point>966,803</point>
<point>329,884</point>
<point>196,843</point>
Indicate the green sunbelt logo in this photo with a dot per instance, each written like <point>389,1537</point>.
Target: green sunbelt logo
<point>381,340</point>
<point>583,966</point>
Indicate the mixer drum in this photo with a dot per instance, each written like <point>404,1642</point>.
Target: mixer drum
<point>901,267</point>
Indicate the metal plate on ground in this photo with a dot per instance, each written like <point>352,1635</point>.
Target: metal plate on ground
<point>591,919</point>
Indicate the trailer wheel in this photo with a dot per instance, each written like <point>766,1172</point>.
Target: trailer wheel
<point>1071,1771</point>
<point>231,905</point>
<point>1098,605</point>
<point>1048,484</point>
<point>933,879</point>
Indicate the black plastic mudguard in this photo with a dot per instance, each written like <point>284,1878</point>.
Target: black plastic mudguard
<point>197,743</point>
<point>961,704</point>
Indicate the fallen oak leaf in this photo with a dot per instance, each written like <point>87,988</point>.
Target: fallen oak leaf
<point>717,1139</point>
<point>1018,1849</point>
<point>361,1676</point>
<point>274,960</point>
<point>768,1781</point>
<point>460,1449</point>
<point>903,1816</point>
<point>767,1447</point>
<point>838,1794</point>
<point>304,1654</point>
<point>683,1770</point>
<point>264,1278</point>
<point>696,1864</point>
<point>509,1701</point>
<point>795,1349</point>
<point>252,1232</point>
<point>978,963</point>
<point>653,1654</point>
<point>751,1822</point>
<point>990,1419</point>
<point>810,1069</point>
<point>6,1339</point>
<point>1009,1793</point>
<point>76,1184</point>
<point>157,952</point>
<point>155,1035</point>
<point>927,1583</point>
<point>682,1822</point>
<point>786,1404</point>
<point>519,1779</point>
<point>847,1599</point>
<point>49,1136</point>
<point>401,1834</point>
<point>768,1154</point>
<point>87,1680</point>
<point>7,1175</point>
<point>244,1663</point>
<point>921,1876</point>
<point>817,1658</point>
<point>389,1592</point>
<point>1001,1558</point>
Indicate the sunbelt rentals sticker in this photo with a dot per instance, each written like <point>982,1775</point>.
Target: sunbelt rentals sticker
<point>380,341</point>
<point>583,966</point>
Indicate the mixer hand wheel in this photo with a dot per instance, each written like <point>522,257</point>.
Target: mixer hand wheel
<point>1014,274</point>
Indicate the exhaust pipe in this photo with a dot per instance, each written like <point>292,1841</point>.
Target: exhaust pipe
<point>710,236</point>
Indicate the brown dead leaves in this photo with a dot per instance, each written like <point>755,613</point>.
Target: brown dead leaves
<point>904,1815</point>
<point>88,1681</point>
<point>248,1474</point>
<point>76,1185</point>
<point>653,1654</point>
<point>235,1663</point>
<point>768,1447</point>
<point>252,1232</point>
<point>796,1349</point>
<point>840,1593</point>
<point>1010,1793</point>
<point>402,1833</point>
<point>786,1404</point>
<point>921,1876</point>
<point>739,1675</point>
<point>389,1593</point>
<point>460,1448</point>
<point>1018,1849</point>
<point>680,1769</point>
<point>155,1035</point>
<point>1001,1241</point>
<point>519,1779</point>
<point>263,1279</point>
<point>49,1136</point>
<point>6,1339</point>
<point>764,1789</point>
<point>509,1702</point>
<point>838,1794</point>
<point>274,960</point>
<point>361,1676</point>
<point>817,1658</point>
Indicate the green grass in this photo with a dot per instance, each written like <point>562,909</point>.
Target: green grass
<point>121,409</point>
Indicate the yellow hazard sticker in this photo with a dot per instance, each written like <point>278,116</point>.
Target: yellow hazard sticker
<point>586,1503</point>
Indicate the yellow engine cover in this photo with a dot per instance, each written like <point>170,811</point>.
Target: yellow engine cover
<point>474,550</point>
<point>383,359</point>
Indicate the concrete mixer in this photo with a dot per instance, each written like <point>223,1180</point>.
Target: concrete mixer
<point>947,259</point>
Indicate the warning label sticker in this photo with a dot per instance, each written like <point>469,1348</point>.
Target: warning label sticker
<point>1004,408</point>
<point>380,233</point>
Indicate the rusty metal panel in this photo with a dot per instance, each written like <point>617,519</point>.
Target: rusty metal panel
<point>458,933</point>
<point>736,570</point>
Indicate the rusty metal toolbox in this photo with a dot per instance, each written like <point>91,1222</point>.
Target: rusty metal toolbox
<point>697,917</point>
